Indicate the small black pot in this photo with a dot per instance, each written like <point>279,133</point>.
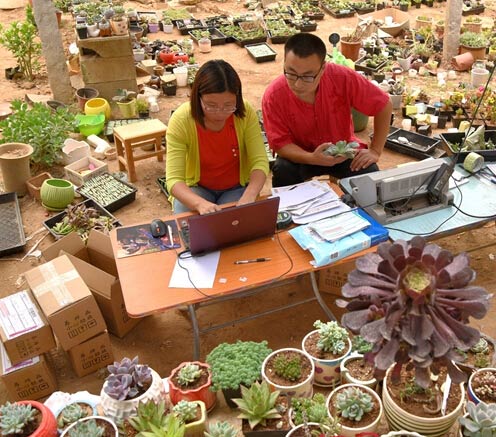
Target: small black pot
<point>169,90</point>
<point>144,114</point>
<point>441,121</point>
<point>82,32</point>
<point>230,394</point>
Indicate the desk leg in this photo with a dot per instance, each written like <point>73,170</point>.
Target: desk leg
<point>321,302</point>
<point>196,332</point>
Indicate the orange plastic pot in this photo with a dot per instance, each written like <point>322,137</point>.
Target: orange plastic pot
<point>48,424</point>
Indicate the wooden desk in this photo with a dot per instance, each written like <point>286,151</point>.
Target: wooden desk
<point>145,278</point>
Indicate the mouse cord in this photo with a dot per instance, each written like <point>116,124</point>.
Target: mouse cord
<point>181,256</point>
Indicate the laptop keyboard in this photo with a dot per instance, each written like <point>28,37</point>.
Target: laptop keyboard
<point>184,231</point>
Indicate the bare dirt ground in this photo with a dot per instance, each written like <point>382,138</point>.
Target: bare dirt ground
<point>164,340</point>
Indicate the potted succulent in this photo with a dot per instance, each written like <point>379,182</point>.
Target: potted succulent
<point>482,385</point>
<point>355,368</point>
<point>475,43</point>
<point>473,24</point>
<point>92,426</point>
<point>480,420</point>
<point>395,91</point>
<point>27,418</point>
<point>482,354</point>
<point>236,364</point>
<point>328,345</point>
<point>119,21</point>
<point>357,408</point>
<point>128,384</point>
<point>263,411</point>
<point>221,429</point>
<point>192,381</point>
<point>458,117</point>
<point>193,415</point>
<point>308,410</point>
<point>167,25</point>
<point>72,412</point>
<point>291,371</point>
<point>420,320</point>
<point>148,413</point>
<point>143,108</point>
<point>126,101</point>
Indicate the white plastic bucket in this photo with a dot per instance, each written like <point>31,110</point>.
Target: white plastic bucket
<point>181,74</point>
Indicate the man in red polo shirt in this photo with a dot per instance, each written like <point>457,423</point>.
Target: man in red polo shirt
<point>309,106</point>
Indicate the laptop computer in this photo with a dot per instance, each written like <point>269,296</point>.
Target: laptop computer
<point>231,226</point>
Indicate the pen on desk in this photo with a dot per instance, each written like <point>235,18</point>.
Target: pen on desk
<point>171,241</point>
<point>247,261</point>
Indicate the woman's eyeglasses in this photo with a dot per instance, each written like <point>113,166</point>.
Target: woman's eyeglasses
<point>211,108</point>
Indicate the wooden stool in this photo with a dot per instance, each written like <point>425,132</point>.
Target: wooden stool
<point>135,135</point>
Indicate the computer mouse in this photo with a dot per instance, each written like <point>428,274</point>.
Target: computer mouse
<point>158,228</point>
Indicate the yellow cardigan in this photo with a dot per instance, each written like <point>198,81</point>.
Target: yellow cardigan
<point>183,155</point>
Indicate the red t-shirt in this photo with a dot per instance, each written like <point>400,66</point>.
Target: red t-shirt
<point>219,157</point>
<point>287,119</point>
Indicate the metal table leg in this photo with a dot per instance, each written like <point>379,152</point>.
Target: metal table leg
<point>196,332</point>
<point>321,302</point>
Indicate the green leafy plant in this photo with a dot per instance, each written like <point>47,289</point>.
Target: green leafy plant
<point>309,409</point>
<point>142,105</point>
<point>332,337</point>
<point>235,364</point>
<point>174,427</point>
<point>221,429</point>
<point>352,403</point>
<point>147,414</point>
<point>288,368</point>
<point>88,428</point>
<point>19,38</point>
<point>257,404</point>
<point>41,127</point>
<point>14,418</point>
<point>481,420</point>
<point>185,411</point>
<point>360,345</point>
<point>188,374</point>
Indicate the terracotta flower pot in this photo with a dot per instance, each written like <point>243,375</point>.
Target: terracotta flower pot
<point>463,61</point>
<point>48,424</point>
<point>201,393</point>
<point>85,94</point>
<point>350,49</point>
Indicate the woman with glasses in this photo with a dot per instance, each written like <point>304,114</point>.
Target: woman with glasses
<point>309,106</point>
<point>215,150</point>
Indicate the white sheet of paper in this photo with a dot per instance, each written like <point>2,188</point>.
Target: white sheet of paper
<point>321,215</point>
<point>202,270</point>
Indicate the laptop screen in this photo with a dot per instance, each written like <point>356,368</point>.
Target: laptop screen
<point>232,226</point>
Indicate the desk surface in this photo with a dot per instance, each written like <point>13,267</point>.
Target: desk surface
<point>145,278</point>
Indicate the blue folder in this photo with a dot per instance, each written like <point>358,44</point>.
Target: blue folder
<point>325,252</point>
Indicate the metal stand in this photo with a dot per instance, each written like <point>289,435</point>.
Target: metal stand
<point>197,330</point>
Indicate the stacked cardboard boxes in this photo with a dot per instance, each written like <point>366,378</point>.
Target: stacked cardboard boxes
<point>332,279</point>
<point>25,336</point>
<point>73,314</point>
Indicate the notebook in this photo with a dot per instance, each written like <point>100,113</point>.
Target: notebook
<point>231,226</point>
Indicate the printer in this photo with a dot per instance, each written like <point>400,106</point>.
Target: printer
<point>401,192</point>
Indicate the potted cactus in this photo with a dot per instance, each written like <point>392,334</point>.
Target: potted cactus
<point>128,384</point>
<point>192,381</point>
<point>357,408</point>
<point>291,371</point>
<point>328,345</point>
<point>92,426</point>
<point>236,364</point>
<point>27,418</point>
<point>480,420</point>
<point>193,415</point>
<point>263,411</point>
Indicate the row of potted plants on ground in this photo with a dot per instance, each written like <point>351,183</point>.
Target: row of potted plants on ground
<point>411,301</point>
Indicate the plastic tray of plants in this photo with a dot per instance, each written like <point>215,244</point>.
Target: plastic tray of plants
<point>81,218</point>
<point>215,35</point>
<point>261,52</point>
<point>189,24</point>
<point>108,191</point>
<point>370,63</point>
<point>109,128</point>
<point>411,140</point>
<point>12,237</point>
<point>486,147</point>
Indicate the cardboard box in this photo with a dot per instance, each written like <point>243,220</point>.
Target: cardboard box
<point>91,355</point>
<point>73,171</point>
<point>332,279</point>
<point>66,302</point>
<point>31,379</point>
<point>400,20</point>
<point>24,331</point>
<point>95,263</point>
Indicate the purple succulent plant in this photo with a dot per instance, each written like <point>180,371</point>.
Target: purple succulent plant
<point>412,301</point>
<point>127,379</point>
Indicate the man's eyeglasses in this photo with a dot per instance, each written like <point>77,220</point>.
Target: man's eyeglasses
<point>210,108</point>
<point>307,79</point>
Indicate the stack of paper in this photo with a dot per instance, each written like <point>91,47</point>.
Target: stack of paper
<point>336,227</point>
<point>309,201</point>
